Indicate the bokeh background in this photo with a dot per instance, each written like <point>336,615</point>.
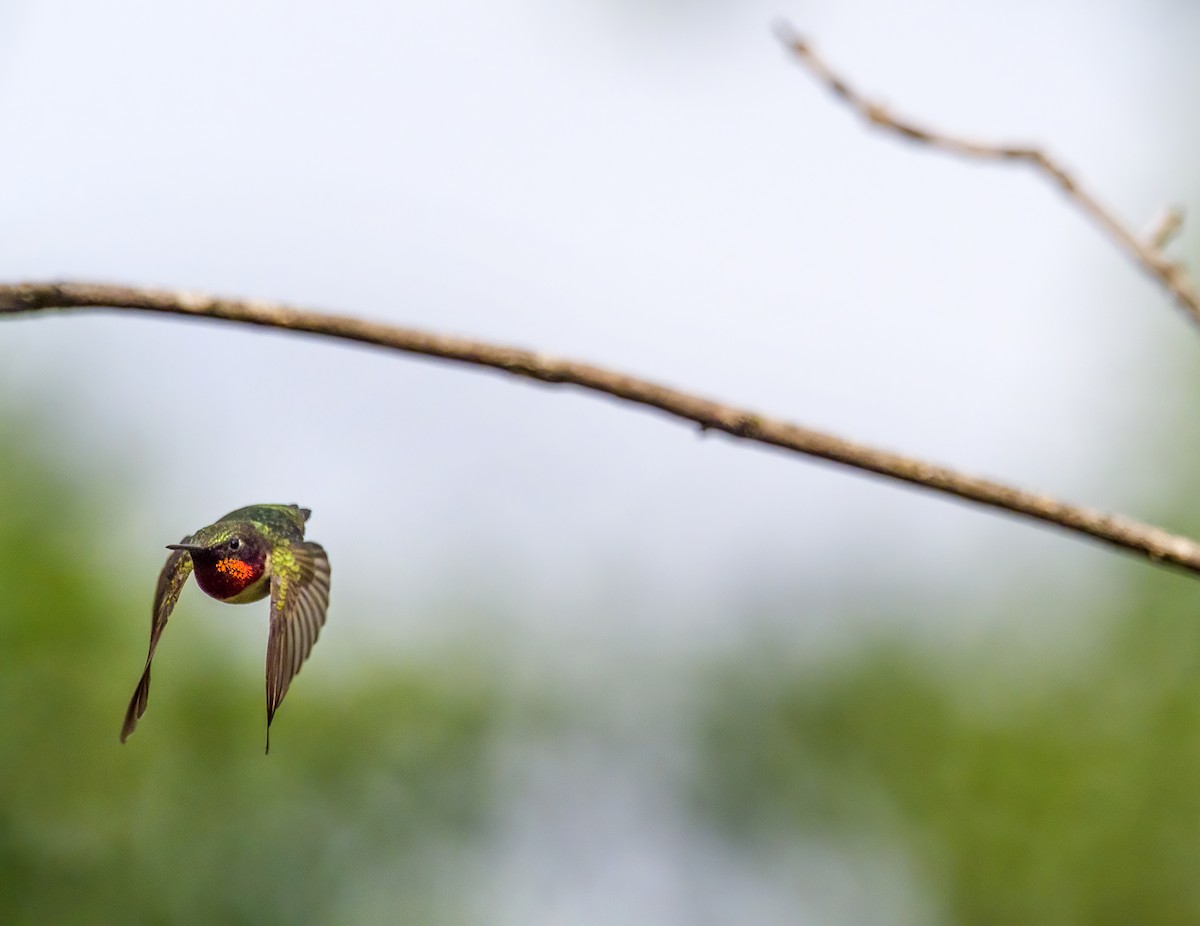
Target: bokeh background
<point>582,665</point>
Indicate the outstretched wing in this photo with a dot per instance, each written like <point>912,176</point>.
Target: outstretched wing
<point>170,584</point>
<point>299,599</point>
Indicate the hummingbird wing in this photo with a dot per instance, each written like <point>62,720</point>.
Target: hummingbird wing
<point>299,599</point>
<point>170,584</point>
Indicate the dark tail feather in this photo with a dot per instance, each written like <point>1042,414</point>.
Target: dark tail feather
<point>137,704</point>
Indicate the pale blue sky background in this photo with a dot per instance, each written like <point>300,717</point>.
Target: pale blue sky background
<point>651,186</point>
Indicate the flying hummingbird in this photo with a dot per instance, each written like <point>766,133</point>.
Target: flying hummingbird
<point>241,558</point>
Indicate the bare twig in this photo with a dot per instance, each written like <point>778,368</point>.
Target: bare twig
<point>1146,252</point>
<point>1166,226</point>
<point>1141,539</point>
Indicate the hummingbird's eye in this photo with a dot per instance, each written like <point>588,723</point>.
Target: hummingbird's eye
<point>235,543</point>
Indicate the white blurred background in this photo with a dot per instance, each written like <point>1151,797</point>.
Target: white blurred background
<point>654,187</point>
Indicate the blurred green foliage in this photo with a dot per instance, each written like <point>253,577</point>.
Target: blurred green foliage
<point>378,782</point>
<point>1063,793</point>
<point>1067,796</point>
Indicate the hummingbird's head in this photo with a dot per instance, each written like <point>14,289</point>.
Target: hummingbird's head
<point>228,558</point>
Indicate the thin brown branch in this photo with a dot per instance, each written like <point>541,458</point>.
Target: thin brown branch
<point>1168,224</point>
<point>1146,252</point>
<point>1132,536</point>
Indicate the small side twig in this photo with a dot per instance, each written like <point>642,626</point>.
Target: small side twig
<point>1135,537</point>
<point>1168,224</point>
<point>1146,252</point>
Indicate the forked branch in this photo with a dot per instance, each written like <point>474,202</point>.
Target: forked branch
<point>1141,539</point>
<point>1146,252</point>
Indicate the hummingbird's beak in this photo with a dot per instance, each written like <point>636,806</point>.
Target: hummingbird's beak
<point>190,547</point>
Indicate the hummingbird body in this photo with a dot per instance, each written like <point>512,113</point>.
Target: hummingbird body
<point>243,557</point>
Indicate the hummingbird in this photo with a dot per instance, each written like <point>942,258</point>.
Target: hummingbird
<point>243,557</point>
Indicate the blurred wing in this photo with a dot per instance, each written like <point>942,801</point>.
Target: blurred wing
<point>170,584</point>
<point>299,599</point>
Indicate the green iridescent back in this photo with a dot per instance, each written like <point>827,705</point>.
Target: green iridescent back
<point>280,522</point>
